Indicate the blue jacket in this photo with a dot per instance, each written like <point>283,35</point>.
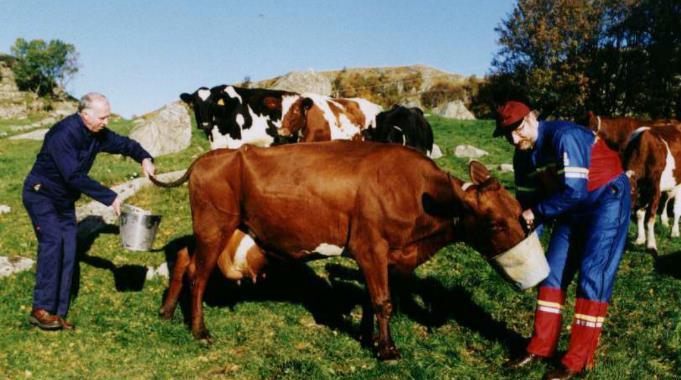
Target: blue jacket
<point>552,178</point>
<point>68,152</point>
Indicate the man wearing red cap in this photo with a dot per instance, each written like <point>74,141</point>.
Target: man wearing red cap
<point>566,175</point>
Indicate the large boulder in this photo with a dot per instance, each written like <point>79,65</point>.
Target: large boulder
<point>167,130</point>
<point>454,110</point>
<point>304,81</point>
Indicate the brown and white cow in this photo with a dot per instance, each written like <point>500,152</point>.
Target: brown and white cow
<point>652,160</point>
<point>615,131</point>
<point>240,258</point>
<point>322,118</point>
<point>384,205</point>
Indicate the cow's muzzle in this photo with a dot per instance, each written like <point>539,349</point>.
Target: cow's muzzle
<point>525,264</point>
<point>284,132</point>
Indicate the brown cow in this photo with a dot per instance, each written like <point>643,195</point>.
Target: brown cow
<point>322,118</point>
<point>652,161</point>
<point>382,204</point>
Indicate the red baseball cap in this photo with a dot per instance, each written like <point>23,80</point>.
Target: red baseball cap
<point>509,117</point>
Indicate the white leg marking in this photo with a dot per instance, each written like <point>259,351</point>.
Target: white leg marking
<point>676,194</point>
<point>641,237</point>
<point>652,243</point>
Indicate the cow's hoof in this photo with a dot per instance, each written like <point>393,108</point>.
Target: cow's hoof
<point>675,234</point>
<point>639,241</point>
<point>653,252</point>
<point>388,353</point>
<point>165,314</point>
<point>204,337</point>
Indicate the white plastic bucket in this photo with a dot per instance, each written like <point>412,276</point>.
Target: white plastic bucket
<point>137,228</point>
<point>525,264</point>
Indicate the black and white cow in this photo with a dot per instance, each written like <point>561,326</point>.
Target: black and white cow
<point>406,126</point>
<point>233,116</point>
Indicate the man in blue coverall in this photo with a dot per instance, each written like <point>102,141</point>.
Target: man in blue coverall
<point>58,177</point>
<point>566,175</point>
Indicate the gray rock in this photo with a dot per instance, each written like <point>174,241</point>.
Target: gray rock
<point>469,151</point>
<point>164,131</point>
<point>4,209</point>
<point>454,110</point>
<point>304,81</point>
<point>161,271</point>
<point>9,266</point>
<point>436,152</point>
<point>38,134</point>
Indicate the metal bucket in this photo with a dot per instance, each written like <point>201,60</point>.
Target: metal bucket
<point>137,228</point>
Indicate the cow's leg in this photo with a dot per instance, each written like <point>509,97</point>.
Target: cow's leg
<point>640,227</point>
<point>212,235</point>
<point>651,213</point>
<point>664,217</point>
<point>374,264</point>
<point>366,326</point>
<point>181,264</point>
<point>677,212</point>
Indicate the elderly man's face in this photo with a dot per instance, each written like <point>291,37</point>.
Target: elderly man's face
<point>96,117</point>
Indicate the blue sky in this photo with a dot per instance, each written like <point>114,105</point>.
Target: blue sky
<point>143,54</point>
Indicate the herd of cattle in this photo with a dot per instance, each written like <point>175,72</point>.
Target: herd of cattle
<point>384,205</point>
<point>233,116</point>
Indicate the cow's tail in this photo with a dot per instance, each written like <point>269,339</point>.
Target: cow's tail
<point>176,182</point>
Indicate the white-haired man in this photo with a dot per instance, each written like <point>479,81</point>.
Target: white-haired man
<point>56,181</point>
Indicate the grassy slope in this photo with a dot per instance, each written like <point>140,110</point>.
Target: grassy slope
<point>455,319</point>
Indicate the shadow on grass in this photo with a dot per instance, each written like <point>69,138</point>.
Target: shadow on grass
<point>126,277</point>
<point>669,264</point>
<point>331,301</point>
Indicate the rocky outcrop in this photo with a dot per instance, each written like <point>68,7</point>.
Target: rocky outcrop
<point>164,131</point>
<point>38,135</point>
<point>304,81</point>
<point>454,110</point>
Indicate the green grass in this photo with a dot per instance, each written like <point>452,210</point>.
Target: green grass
<point>455,319</point>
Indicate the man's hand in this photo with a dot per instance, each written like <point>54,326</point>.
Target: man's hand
<point>116,205</point>
<point>148,167</point>
<point>528,216</point>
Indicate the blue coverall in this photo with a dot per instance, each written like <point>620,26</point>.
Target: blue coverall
<point>590,223</point>
<point>58,177</point>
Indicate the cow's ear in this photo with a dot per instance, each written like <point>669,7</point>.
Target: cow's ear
<point>187,98</point>
<point>307,103</point>
<point>478,172</point>
<point>272,103</point>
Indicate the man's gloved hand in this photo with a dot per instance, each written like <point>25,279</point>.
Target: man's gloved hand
<point>116,205</point>
<point>148,167</point>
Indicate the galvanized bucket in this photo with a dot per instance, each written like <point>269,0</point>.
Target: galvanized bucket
<point>137,228</point>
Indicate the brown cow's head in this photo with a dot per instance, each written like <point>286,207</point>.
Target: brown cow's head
<point>294,119</point>
<point>490,215</point>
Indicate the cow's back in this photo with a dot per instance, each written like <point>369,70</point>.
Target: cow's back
<point>295,197</point>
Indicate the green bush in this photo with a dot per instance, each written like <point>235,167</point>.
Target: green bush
<point>42,66</point>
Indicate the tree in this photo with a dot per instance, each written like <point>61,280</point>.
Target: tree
<point>545,48</point>
<point>614,57</point>
<point>40,67</point>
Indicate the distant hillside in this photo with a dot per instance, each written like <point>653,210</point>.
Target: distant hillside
<point>417,85</point>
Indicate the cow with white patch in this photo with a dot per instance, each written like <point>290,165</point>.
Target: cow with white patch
<point>233,116</point>
<point>314,117</point>
<point>652,160</point>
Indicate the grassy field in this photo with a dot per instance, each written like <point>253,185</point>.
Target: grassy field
<point>455,318</point>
